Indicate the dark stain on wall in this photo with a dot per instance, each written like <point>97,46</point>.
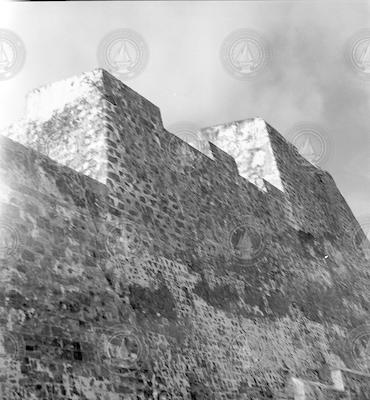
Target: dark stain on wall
<point>221,296</point>
<point>153,303</point>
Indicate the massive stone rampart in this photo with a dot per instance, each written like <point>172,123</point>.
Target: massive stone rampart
<point>135,266</point>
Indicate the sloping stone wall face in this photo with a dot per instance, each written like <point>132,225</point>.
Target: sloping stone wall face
<point>134,266</point>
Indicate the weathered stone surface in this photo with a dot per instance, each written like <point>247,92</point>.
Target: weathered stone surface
<point>134,266</point>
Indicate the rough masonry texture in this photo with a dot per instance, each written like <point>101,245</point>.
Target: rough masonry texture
<point>135,266</point>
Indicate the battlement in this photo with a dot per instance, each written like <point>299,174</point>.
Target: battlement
<point>137,266</point>
<point>79,100</point>
<point>249,143</point>
<point>93,122</point>
<point>52,98</point>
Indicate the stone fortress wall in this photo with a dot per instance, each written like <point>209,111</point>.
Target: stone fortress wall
<point>136,266</point>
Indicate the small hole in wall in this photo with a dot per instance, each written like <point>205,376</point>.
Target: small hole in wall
<point>320,176</point>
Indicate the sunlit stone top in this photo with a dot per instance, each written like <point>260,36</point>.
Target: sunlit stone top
<point>248,142</point>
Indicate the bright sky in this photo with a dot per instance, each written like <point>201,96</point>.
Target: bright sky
<point>307,80</point>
